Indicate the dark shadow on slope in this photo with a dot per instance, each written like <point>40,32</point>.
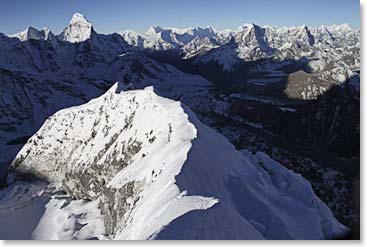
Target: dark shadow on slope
<point>37,76</point>
<point>19,220</point>
<point>325,130</point>
<point>226,81</point>
<point>327,121</point>
<point>251,206</point>
<point>292,130</point>
<point>327,125</point>
<point>323,126</point>
<point>31,70</point>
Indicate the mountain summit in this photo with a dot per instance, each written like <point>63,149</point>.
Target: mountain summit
<point>31,33</point>
<point>79,29</point>
<point>143,159</point>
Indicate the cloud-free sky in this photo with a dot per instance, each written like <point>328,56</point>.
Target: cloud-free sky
<point>110,16</point>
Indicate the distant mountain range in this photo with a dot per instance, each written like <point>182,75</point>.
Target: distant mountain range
<point>115,126</point>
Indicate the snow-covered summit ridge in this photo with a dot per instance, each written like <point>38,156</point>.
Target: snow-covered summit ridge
<point>136,159</point>
<point>157,172</point>
<point>32,33</point>
<point>251,42</point>
<point>211,32</point>
<point>158,38</point>
<point>79,30</point>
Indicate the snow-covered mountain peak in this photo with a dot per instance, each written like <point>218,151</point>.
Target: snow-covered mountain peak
<point>305,36</point>
<point>247,27</point>
<point>345,26</point>
<point>244,26</point>
<point>143,160</point>
<point>253,42</point>
<point>252,37</point>
<point>323,29</point>
<point>133,38</point>
<point>79,18</point>
<point>341,28</point>
<point>209,29</point>
<point>31,29</point>
<point>134,139</point>
<point>181,31</point>
<point>252,25</point>
<point>323,34</point>
<point>29,33</point>
<point>251,28</point>
<point>153,30</point>
<point>78,30</point>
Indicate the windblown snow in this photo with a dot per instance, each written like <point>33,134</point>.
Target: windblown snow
<point>147,168</point>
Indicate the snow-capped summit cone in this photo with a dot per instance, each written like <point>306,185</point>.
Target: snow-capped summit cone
<point>79,29</point>
<point>29,33</point>
<point>254,36</point>
<point>78,17</point>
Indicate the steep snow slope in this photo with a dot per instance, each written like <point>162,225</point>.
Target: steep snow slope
<point>36,208</point>
<point>157,172</point>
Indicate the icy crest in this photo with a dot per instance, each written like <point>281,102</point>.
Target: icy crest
<point>79,29</point>
<point>156,172</point>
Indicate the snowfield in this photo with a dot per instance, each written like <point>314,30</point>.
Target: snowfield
<point>147,168</point>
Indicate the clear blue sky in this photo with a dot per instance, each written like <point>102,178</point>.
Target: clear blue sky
<point>109,16</point>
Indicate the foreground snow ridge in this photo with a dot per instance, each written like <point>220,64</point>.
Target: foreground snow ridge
<point>154,171</point>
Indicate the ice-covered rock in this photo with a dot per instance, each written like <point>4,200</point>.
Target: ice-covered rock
<point>157,172</point>
<point>79,29</point>
<point>31,33</point>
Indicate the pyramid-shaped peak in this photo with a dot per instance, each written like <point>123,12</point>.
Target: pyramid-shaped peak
<point>305,36</point>
<point>248,26</point>
<point>303,28</point>
<point>78,30</point>
<point>154,29</point>
<point>78,18</point>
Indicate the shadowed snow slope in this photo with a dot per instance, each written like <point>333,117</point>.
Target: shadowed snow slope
<point>156,172</point>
